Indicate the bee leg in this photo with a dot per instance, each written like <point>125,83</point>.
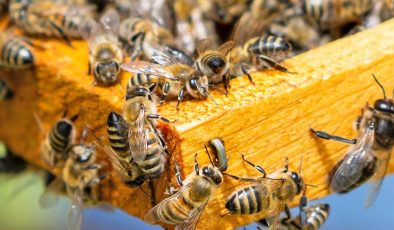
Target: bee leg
<point>61,32</point>
<point>226,82</point>
<point>158,117</point>
<point>302,207</point>
<point>274,64</point>
<point>89,68</point>
<point>196,166</point>
<point>286,167</point>
<point>180,97</point>
<point>324,135</point>
<point>245,70</point>
<point>287,217</point>
<point>245,179</point>
<point>178,175</point>
<point>257,167</point>
<point>166,89</point>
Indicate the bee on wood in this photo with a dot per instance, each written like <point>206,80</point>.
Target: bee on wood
<point>9,162</point>
<point>15,52</point>
<point>178,79</point>
<point>185,206</point>
<point>213,63</point>
<point>49,18</point>
<point>61,137</point>
<point>269,193</point>
<point>6,92</point>
<point>105,53</point>
<point>80,174</point>
<point>370,154</point>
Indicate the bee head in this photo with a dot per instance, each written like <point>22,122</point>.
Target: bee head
<point>216,64</point>
<point>83,153</point>
<point>297,179</point>
<point>198,87</point>
<point>106,72</point>
<point>384,105</point>
<point>212,174</point>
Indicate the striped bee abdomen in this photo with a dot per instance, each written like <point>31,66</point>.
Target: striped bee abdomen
<point>269,46</point>
<point>117,130</point>
<point>176,212</point>
<point>249,200</point>
<point>60,136</point>
<point>15,54</point>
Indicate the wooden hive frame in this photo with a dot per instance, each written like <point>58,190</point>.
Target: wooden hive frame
<point>268,121</point>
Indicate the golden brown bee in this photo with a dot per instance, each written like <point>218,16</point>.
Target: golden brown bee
<point>213,63</point>
<point>105,53</point>
<point>5,91</point>
<point>269,193</point>
<point>370,154</point>
<point>224,11</point>
<point>185,206</point>
<point>15,51</point>
<point>48,18</point>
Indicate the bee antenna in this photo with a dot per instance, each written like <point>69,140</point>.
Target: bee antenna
<point>381,86</point>
<point>311,185</point>
<point>300,166</point>
<point>206,150</point>
<point>210,96</point>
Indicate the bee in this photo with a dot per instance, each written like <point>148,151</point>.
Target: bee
<point>9,162</point>
<point>3,6</point>
<point>105,53</point>
<point>49,18</point>
<point>213,63</point>
<point>178,80</point>
<point>185,206</point>
<point>145,142</point>
<point>328,14</point>
<point>15,51</point>
<point>80,174</point>
<point>60,138</point>
<point>5,91</point>
<point>221,159</point>
<point>267,194</point>
<point>224,11</point>
<point>118,136</point>
<point>370,154</point>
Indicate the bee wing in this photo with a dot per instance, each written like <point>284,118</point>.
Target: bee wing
<point>358,157</point>
<point>192,222</point>
<point>144,67</point>
<point>226,47</point>
<point>162,58</point>
<point>88,28</point>
<point>50,197</point>
<point>154,215</point>
<point>74,213</point>
<point>203,45</point>
<point>111,20</point>
<point>383,163</point>
<point>139,138</point>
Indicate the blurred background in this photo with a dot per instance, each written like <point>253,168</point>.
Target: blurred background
<point>19,209</point>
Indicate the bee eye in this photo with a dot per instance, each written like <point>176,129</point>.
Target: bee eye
<point>216,64</point>
<point>206,171</point>
<point>384,106</point>
<point>295,177</point>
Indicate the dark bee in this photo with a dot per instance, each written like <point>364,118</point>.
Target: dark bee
<point>221,159</point>
<point>371,151</point>
<point>5,91</point>
<point>15,52</point>
<point>9,162</point>
<point>185,206</point>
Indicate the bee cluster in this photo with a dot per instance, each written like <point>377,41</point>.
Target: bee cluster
<point>177,49</point>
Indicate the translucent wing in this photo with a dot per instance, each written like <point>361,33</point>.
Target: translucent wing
<point>162,58</point>
<point>111,20</point>
<point>203,44</point>
<point>144,67</point>
<point>50,196</point>
<point>74,213</point>
<point>350,170</point>
<point>383,162</point>
<point>194,217</point>
<point>154,215</point>
<point>226,47</point>
<point>139,138</point>
<point>88,28</point>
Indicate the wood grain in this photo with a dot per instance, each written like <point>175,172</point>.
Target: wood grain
<point>268,121</point>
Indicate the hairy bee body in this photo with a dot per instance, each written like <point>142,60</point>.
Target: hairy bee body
<point>271,46</point>
<point>55,147</point>
<point>214,65</point>
<point>5,91</point>
<point>15,52</point>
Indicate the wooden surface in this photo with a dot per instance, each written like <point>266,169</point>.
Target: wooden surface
<point>267,121</point>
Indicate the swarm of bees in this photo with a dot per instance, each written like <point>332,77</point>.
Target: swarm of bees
<point>181,49</point>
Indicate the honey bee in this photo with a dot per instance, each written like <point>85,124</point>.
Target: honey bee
<point>80,174</point>
<point>5,91</point>
<point>145,142</point>
<point>267,194</point>
<point>15,51</point>
<point>370,154</point>
<point>9,162</point>
<point>224,11</point>
<point>185,79</point>
<point>213,63</point>
<point>185,206</point>
<point>49,18</point>
<point>105,53</point>
<point>60,138</point>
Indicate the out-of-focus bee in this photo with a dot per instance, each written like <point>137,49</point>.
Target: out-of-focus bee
<point>213,63</point>
<point>221,159</point>
<point>3,7</point>
<point>105,53</point>
<point>55,147</point>
<point>9,162</point>
<point>145,142</point>
<point>185,206</point>
<point>184,80</point>
<point>5,91</point>
<point>121,158</point>
<point>370,155</point>
<point>80,174</point>
<point>49,18</point>
<point>15,51</point>
<point>224,11</point>
<point>269,193</point>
